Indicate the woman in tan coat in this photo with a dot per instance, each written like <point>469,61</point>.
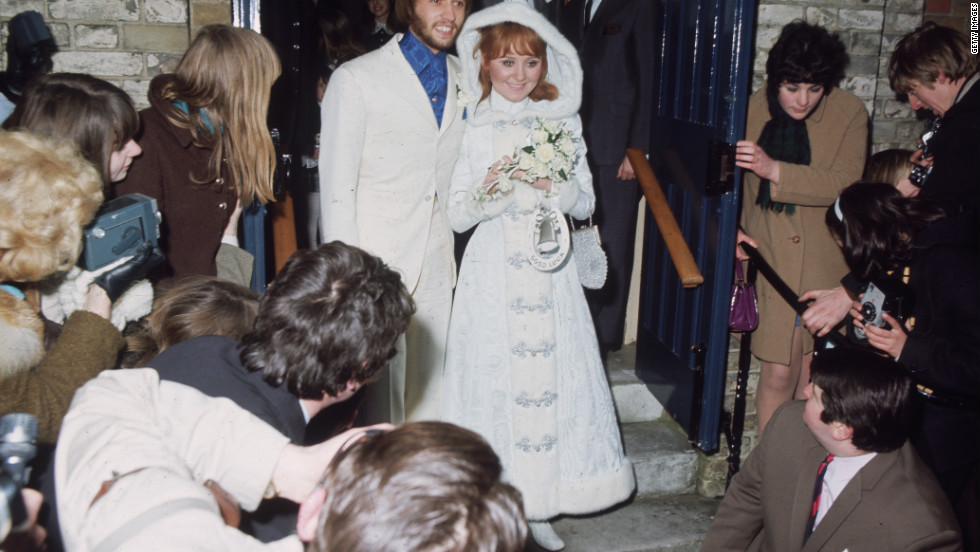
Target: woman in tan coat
<point>805,141</point>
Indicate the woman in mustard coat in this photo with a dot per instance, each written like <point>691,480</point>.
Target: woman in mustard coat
<point>806,140</point>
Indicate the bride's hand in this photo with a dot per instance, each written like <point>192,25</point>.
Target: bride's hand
<point>542,184</point>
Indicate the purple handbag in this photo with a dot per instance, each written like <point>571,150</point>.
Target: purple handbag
<point>743,312</point>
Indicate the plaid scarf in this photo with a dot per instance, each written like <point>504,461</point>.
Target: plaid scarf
<point>783,138</point>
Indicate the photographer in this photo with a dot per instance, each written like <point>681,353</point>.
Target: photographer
<point>934,67</point>
<point>48,192</point>
<point>881,231</point>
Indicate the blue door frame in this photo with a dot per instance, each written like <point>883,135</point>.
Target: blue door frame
<point>701,94</point>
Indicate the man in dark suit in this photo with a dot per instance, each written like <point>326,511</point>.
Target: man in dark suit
<point>326,326</point>
<point>836,472</point>
<point>616,44</point>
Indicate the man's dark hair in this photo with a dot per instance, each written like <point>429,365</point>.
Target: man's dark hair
<point>866,391</point>
<point>806,53</point>
<point>331,315</point>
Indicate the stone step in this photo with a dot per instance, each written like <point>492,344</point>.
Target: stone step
<point>634,402</point>
<point>663,461</point>
<point>664,524</point>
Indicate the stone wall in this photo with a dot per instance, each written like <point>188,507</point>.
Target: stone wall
<point>869,30</point>
<point>126,42</point>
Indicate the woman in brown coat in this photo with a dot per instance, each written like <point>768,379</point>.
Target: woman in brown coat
<point>206,144</point>
<point>805,141</point>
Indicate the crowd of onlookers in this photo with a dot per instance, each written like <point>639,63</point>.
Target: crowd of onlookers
<point>897,273</point>
<point>231,425</point>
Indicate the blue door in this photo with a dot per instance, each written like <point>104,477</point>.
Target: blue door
<point>701,93</point>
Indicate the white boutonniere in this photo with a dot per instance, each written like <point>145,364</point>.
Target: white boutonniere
<point>463,96</point>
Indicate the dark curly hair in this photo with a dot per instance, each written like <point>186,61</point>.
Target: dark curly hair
<point>806,53</point>
<point>867,392</point>
<point>877,226</point>
<point>331,315</point>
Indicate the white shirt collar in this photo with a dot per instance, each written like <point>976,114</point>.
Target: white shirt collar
<point>839,473</point>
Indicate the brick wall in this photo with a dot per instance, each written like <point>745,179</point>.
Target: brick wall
<point>950,13</point>
<point>126,42</point>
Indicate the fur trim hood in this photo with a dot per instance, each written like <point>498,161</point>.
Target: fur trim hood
<point>564,69</point>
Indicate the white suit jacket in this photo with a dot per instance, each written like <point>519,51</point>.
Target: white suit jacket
<point>165,439</point>
<point>383,159</point>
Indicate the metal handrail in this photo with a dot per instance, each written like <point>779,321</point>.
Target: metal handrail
<point>680,253</point>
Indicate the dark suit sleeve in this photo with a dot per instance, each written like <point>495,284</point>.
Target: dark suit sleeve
<point>641,54</point>
<point>944,355</point>
<point>948,540</point>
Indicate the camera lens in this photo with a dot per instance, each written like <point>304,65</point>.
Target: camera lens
<point>868,311</point>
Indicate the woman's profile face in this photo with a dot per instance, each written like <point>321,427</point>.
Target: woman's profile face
<point>514,76</point>
<point>379,8</point>
<point>798,99</point>
<point>906,188</point>
<point>119,161</point>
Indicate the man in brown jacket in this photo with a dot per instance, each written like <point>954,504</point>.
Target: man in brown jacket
<point>874,492</point>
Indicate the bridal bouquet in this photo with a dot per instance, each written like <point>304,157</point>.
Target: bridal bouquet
<point>551,154</point>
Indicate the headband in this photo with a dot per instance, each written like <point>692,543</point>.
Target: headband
<point>837,211</point>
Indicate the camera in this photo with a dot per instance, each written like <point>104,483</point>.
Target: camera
<point>919,173</point>
<point>890,296</point>
<point>18,445</point>
<point>120,226</point>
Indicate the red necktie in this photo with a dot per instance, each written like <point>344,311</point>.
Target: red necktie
<point>817,489</point>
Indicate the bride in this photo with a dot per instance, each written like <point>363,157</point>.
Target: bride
<point>523,366</point>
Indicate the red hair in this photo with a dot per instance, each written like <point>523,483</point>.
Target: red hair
<point>498,40</point>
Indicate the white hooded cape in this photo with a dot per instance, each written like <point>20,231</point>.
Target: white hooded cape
<point>523,366</point>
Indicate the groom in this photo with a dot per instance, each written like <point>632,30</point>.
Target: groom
<point>391,131</point>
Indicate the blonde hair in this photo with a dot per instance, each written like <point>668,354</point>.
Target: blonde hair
<point>228,73</point>
<point>890,165</point>
<point>48,192</point>
<point>499,40</point>
<point>923,53</point>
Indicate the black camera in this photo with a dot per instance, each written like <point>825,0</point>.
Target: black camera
<point>18,445</point>
<point>919,173</point>
<point>119,228</point>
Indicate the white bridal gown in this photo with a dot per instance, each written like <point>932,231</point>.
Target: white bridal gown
<point>523,366</point>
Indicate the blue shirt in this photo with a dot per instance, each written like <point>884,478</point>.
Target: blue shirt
<point>430,69</point>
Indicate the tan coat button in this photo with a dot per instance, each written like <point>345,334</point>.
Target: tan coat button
<point>796,239</point>
<point>222,206</point>
<point>219,181</point>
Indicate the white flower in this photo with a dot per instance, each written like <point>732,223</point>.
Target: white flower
<point>545,152</point>
<point>525,161</point>
<point>540,170</point>
<point>539,135</point>
<point>566,146</point>
<point>463,96</point>
<point>504,184</point>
